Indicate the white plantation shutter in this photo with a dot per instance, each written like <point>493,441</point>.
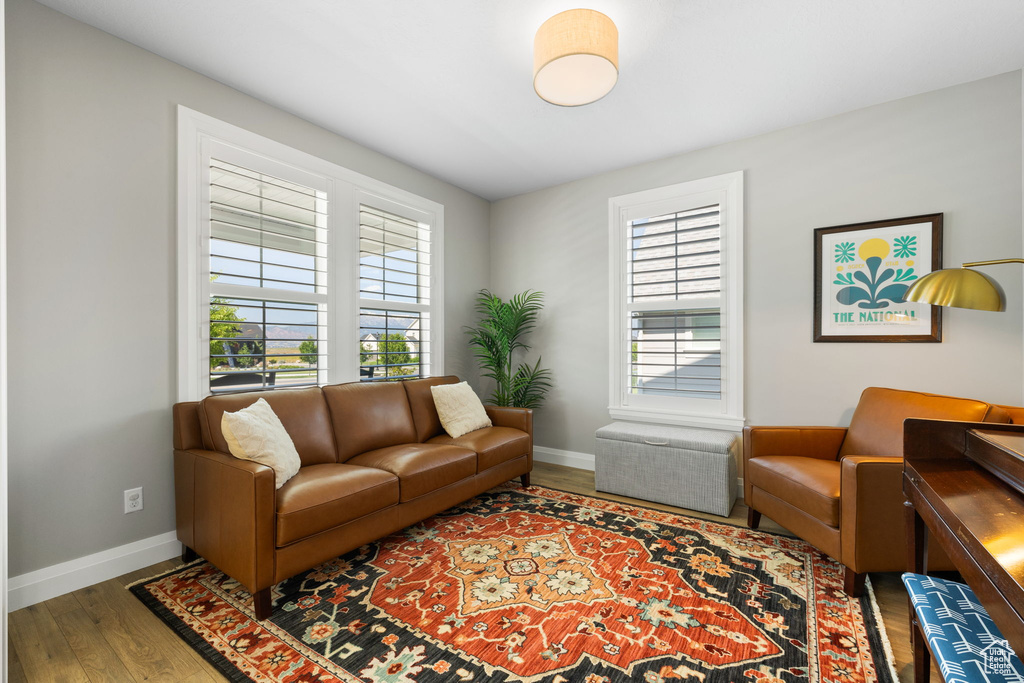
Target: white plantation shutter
<point>285,260</point>
<point>394,294</point>
<point>673,301</point>
<point>676,310</point>
<point>268,289</point>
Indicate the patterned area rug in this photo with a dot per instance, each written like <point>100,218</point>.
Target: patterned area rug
<point>539,585</point>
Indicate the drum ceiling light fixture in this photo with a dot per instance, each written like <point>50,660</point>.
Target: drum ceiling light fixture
<point>575,58</point>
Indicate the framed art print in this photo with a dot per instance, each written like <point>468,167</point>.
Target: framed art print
<point>861,272</point>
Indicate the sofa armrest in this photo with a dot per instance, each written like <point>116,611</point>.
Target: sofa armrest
<point>516,418</point>
<point>871,517</point>
<point>807,442</point>
<point>226,511</point>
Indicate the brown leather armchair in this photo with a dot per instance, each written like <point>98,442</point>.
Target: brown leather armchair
<point>840,489</point>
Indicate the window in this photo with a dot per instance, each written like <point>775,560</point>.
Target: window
<point>268,280</point>
<point>394,294</point>
<point>677,304</point>
<point>295,271</point>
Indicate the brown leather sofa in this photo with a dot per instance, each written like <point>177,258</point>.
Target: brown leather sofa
<point>841,489</point>
<point>375,459</point>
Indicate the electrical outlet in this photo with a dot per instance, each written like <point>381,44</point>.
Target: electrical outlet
<point>132,500</point>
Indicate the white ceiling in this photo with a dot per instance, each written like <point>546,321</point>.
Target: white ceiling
<point>446,85</point>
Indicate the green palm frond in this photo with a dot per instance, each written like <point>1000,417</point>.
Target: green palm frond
<point>529,385</point>
<point>501,332</point>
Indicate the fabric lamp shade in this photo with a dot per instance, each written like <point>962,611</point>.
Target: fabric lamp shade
<point>959,288</point>
<point>575,58</point>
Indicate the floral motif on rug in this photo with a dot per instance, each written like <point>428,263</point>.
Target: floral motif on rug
<point>541,586</point>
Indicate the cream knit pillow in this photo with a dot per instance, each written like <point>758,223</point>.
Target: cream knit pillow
<point>459,409</point>
<point>256,433</point>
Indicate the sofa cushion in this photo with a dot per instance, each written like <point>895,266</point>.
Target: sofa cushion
<point>303,413</point>
<point>421,402</point>
<point>321,497</point>
<point>368,416</point>
<point>877,424</point>
<point>421,468</point>
<point>493,445</point>
<point>810,484</point>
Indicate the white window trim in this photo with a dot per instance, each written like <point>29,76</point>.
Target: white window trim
<point>345,188</point>
<point>727,191</point>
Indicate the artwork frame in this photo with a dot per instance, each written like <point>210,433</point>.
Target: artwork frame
<point>866,265</point>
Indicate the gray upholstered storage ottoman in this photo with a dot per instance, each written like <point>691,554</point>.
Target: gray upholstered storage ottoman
<point>688,468</point>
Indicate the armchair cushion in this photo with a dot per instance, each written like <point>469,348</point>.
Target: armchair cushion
<point>1015,413</point>
<point>321,497</point>
<point>813,482</point>
<point>877,424</point>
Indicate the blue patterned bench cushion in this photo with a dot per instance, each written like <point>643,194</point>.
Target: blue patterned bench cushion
<point>964,640</point>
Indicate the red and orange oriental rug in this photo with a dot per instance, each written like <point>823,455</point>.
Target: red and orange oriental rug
<point>542,586</point>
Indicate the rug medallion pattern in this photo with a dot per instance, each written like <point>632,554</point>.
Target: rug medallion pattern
<point>541,586</point>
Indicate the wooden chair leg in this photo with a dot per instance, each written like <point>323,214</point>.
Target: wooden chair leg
<point>853,583</point>
<point>922,657</point>
<point>753,518</point>
<point>526,480</point>
<point>261,604</point>
<point>187,554</point>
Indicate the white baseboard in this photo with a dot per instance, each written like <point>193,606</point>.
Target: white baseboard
<point>49,582</point>
<point>555,456</point>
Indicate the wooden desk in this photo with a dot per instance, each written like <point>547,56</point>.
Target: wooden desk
<point>964,484</point>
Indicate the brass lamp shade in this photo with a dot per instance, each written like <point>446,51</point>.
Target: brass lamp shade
<point>575,58</point>
<point>957,287</point>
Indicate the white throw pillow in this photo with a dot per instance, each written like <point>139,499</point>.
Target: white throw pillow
<point>256,433</point>
<point>459,408</point>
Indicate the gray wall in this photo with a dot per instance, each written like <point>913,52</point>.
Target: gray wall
<point>92,145</point>
<point>91,148</point>
<point>956,151</point>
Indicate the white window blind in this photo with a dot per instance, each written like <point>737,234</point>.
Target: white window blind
<point>395,295</point>
<point>295,271</point>
<point>677,310</point>
<point>268,271</point>
<point>674,265</point>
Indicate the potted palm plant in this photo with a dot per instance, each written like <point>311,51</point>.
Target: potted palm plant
<point>496,339</point>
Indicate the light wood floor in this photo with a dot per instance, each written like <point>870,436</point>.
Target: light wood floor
<point>103,633</point>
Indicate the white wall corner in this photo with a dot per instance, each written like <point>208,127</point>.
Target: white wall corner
<point>50,582</point>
